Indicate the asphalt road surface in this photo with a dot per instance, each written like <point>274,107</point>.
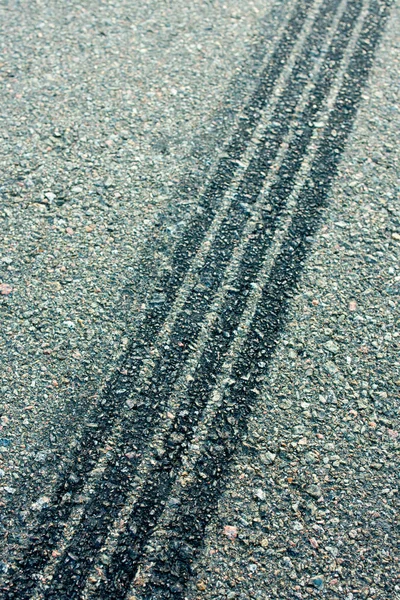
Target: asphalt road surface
<point>199,299</point>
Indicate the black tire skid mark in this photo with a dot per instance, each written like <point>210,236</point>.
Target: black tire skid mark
<point>117,480</point>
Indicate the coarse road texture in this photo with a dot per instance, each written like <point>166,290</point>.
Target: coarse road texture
<point>199,284</point>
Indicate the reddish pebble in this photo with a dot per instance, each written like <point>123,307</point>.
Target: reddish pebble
<point>5,289</point>
<point>230,531</point>
<point>353,305</point>
<point>69,230</point>
<point>313,543</point>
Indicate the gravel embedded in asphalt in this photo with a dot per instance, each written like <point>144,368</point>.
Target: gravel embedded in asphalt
<point>114,115</point>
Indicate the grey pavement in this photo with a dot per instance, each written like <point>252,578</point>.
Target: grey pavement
<point>199,315</point>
